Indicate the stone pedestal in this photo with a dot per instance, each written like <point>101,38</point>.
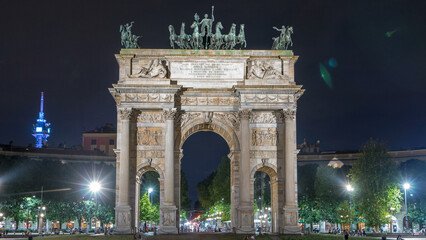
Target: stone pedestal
<point>123,219</point>
<point>291,221</point>
<point>168,220</point>
<point>246,215</point>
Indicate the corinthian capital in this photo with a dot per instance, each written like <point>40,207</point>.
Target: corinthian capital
<point>244,113</point>
<point>170,114</point>
<point>125,113</point>
<point>289,113</point>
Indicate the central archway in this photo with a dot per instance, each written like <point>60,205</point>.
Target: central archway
<point>222,128</point>
<point>204,165</point>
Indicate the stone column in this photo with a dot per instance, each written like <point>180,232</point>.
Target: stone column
<point>123,216</point>
<point>234,156</point>
<point>137,200</point>
<point>168,213</point>
<point>290,207</point>
<point>245,208</point>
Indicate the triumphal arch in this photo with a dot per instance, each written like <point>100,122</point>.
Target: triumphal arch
<point>249,97</point>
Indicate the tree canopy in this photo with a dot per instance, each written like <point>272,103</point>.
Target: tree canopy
<point>373,175</point>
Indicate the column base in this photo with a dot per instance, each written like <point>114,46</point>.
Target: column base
<point>168,220</point>
<point>123,219</point>
<point>291,221</point>
<point>245,219</point>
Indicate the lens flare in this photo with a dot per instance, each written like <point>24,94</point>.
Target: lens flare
<point>332,62</point>
<point>326,76</point>
<point>390,33</point>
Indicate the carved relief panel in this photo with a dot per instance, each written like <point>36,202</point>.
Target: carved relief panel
<point>156,68</point>
<point>151,117</point>
<point>150,136</point>
<point>264,136</point>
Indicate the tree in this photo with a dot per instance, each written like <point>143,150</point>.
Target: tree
<point>346,213</point>
<point>377,195</point>
<point>147,212</point>
<point>327,194</point>
<point>204,193</point>
<point>417,210</point>
<point>185,202</point>
<point>59,211</point>
<point>105,213</point>
<point>221,184</point>
<point>12,208</point>
<point>309,210</point>
<point>305,181</point>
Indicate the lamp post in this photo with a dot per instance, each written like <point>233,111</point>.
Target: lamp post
<point>1,219</point>
<point>149,195</point>
<point>95,187</point>
<point>41,214</point>
<point>406,186</point>
<point>350,189</point>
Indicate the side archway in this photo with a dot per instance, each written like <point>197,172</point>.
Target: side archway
<point>142,169</point>
<point>271,171</point>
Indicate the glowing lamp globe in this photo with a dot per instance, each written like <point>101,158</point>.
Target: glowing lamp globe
<point>94,187</point>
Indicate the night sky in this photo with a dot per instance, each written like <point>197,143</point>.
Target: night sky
<point>374,52</point>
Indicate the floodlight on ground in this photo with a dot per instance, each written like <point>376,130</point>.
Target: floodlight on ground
<point>349,188</point>
<point>95,186</point>
<point>149,190</point>
<point>406,185</point>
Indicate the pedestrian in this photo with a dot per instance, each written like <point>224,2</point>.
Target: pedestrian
<point>346,234</point>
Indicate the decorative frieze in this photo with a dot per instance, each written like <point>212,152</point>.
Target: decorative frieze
<point>265,98</point>
<point>151,117</point>
<point>148,97</point>
<point>264,117</point>
<point>263,154</point>
<point>150,136</point>
<point>264,136</point>
<point>150,154</point>
<point>219,101</point>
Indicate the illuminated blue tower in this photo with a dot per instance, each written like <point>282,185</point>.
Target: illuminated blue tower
<point>41,130</point>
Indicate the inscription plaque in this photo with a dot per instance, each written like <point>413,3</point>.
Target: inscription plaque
<point>207,70</point>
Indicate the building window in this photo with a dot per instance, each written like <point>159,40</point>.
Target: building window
<point>93,142</point>
<point>111,142</point>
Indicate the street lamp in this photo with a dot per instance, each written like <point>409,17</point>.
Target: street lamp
<point>406,186</point>
<point>149,194</point>
<point>95,186</point>
<point>350,189</point>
